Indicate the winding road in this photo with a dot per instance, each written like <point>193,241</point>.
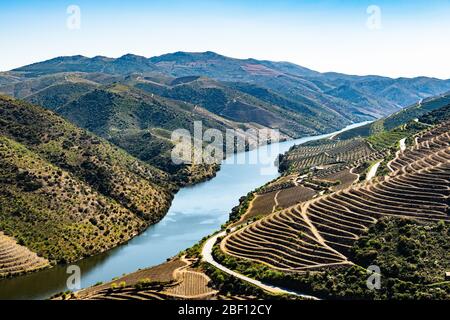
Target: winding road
<point>402,144</point>
<point>207,257</point>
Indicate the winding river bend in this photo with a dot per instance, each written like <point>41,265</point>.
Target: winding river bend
<point>196,212</point>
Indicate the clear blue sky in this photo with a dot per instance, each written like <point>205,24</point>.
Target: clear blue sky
<point>413,38</point>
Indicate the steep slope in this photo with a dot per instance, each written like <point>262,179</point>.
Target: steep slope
<point>25,87</point>
<point>405,115</point>
<point>292,80</point>
<point>142,124</point>
<point>436,116</point>
<point>245,106</point>
<point>57,95</point>
<point>309,112</point>
<point>65,193</point>
<point>285,79</point>
<point>17,259</point>
<point>320,233</point>
<point>126,64</point>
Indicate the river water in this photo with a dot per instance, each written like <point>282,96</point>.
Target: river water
<point>196,212</point>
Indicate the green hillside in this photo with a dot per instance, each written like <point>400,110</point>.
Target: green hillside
<point>437,115</point>
<point>67,194</point>
<point>405,115</point>
<point>409,254</point>
<point>244,106</point>
<point>58,95</point>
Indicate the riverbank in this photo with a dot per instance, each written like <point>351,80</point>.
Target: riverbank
<point>205,205</point>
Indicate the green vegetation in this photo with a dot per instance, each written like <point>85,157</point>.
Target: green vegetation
<point>227,92</point>
<point>140,123</point>
<point>60,94</point>
<point>436,116</point>
<point>66,194</point>
<point>388,139</point>
<point>334,155</point>
<point>401,117</point>
<point>416,111</point>
<point>149,284</point>
<point>135,102</point>
<point>238,211</point>
<point>383,169</point>
<point>411,257</point>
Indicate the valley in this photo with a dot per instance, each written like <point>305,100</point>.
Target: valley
<point>87,177</point>
<point>328,237</point>
<point>204,205</point>
<point>293,252</point>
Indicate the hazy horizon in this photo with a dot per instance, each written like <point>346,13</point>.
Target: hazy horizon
<point>402,39</point>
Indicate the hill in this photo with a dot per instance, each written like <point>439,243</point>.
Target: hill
<point>142,123</point>
<point>410,113</point>
<point>436,116</point>
<point>373,95</point>
<point>123,65</point>
<point>236,104</point>
<point>67,194</point>
<point>272,94</point>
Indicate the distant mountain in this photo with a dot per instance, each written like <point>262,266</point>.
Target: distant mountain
<point>135,102</point>
<point>402,91</point>
<point>139,122</point>
<point>67,194</point>
<point>290,79</point>
<point>126,64</point>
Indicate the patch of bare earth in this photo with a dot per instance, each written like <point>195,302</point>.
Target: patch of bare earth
<point>345,177</point>
<point>177,281</point>
<point>294,195</point>
<point>262,205</point>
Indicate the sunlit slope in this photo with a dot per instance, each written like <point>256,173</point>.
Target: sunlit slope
<point>320,233</point>
<point>67,194</point>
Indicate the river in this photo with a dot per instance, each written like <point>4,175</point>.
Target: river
<point>196,212</point>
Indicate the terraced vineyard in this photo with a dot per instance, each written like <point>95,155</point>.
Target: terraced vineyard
<point>17,259</point>
<point>327,152</point>
<point>171,280</point>
<point>263,204</point>
<point>162,273</point>
<point>430,148</point>
<point>320,232</point>
<point>293,195</point>
<point>192,285</point>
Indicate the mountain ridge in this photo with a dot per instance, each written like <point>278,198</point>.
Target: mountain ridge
<point>110,96</point>
<point>209,54</point>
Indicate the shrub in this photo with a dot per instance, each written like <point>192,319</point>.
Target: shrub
<point>144,284</point>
